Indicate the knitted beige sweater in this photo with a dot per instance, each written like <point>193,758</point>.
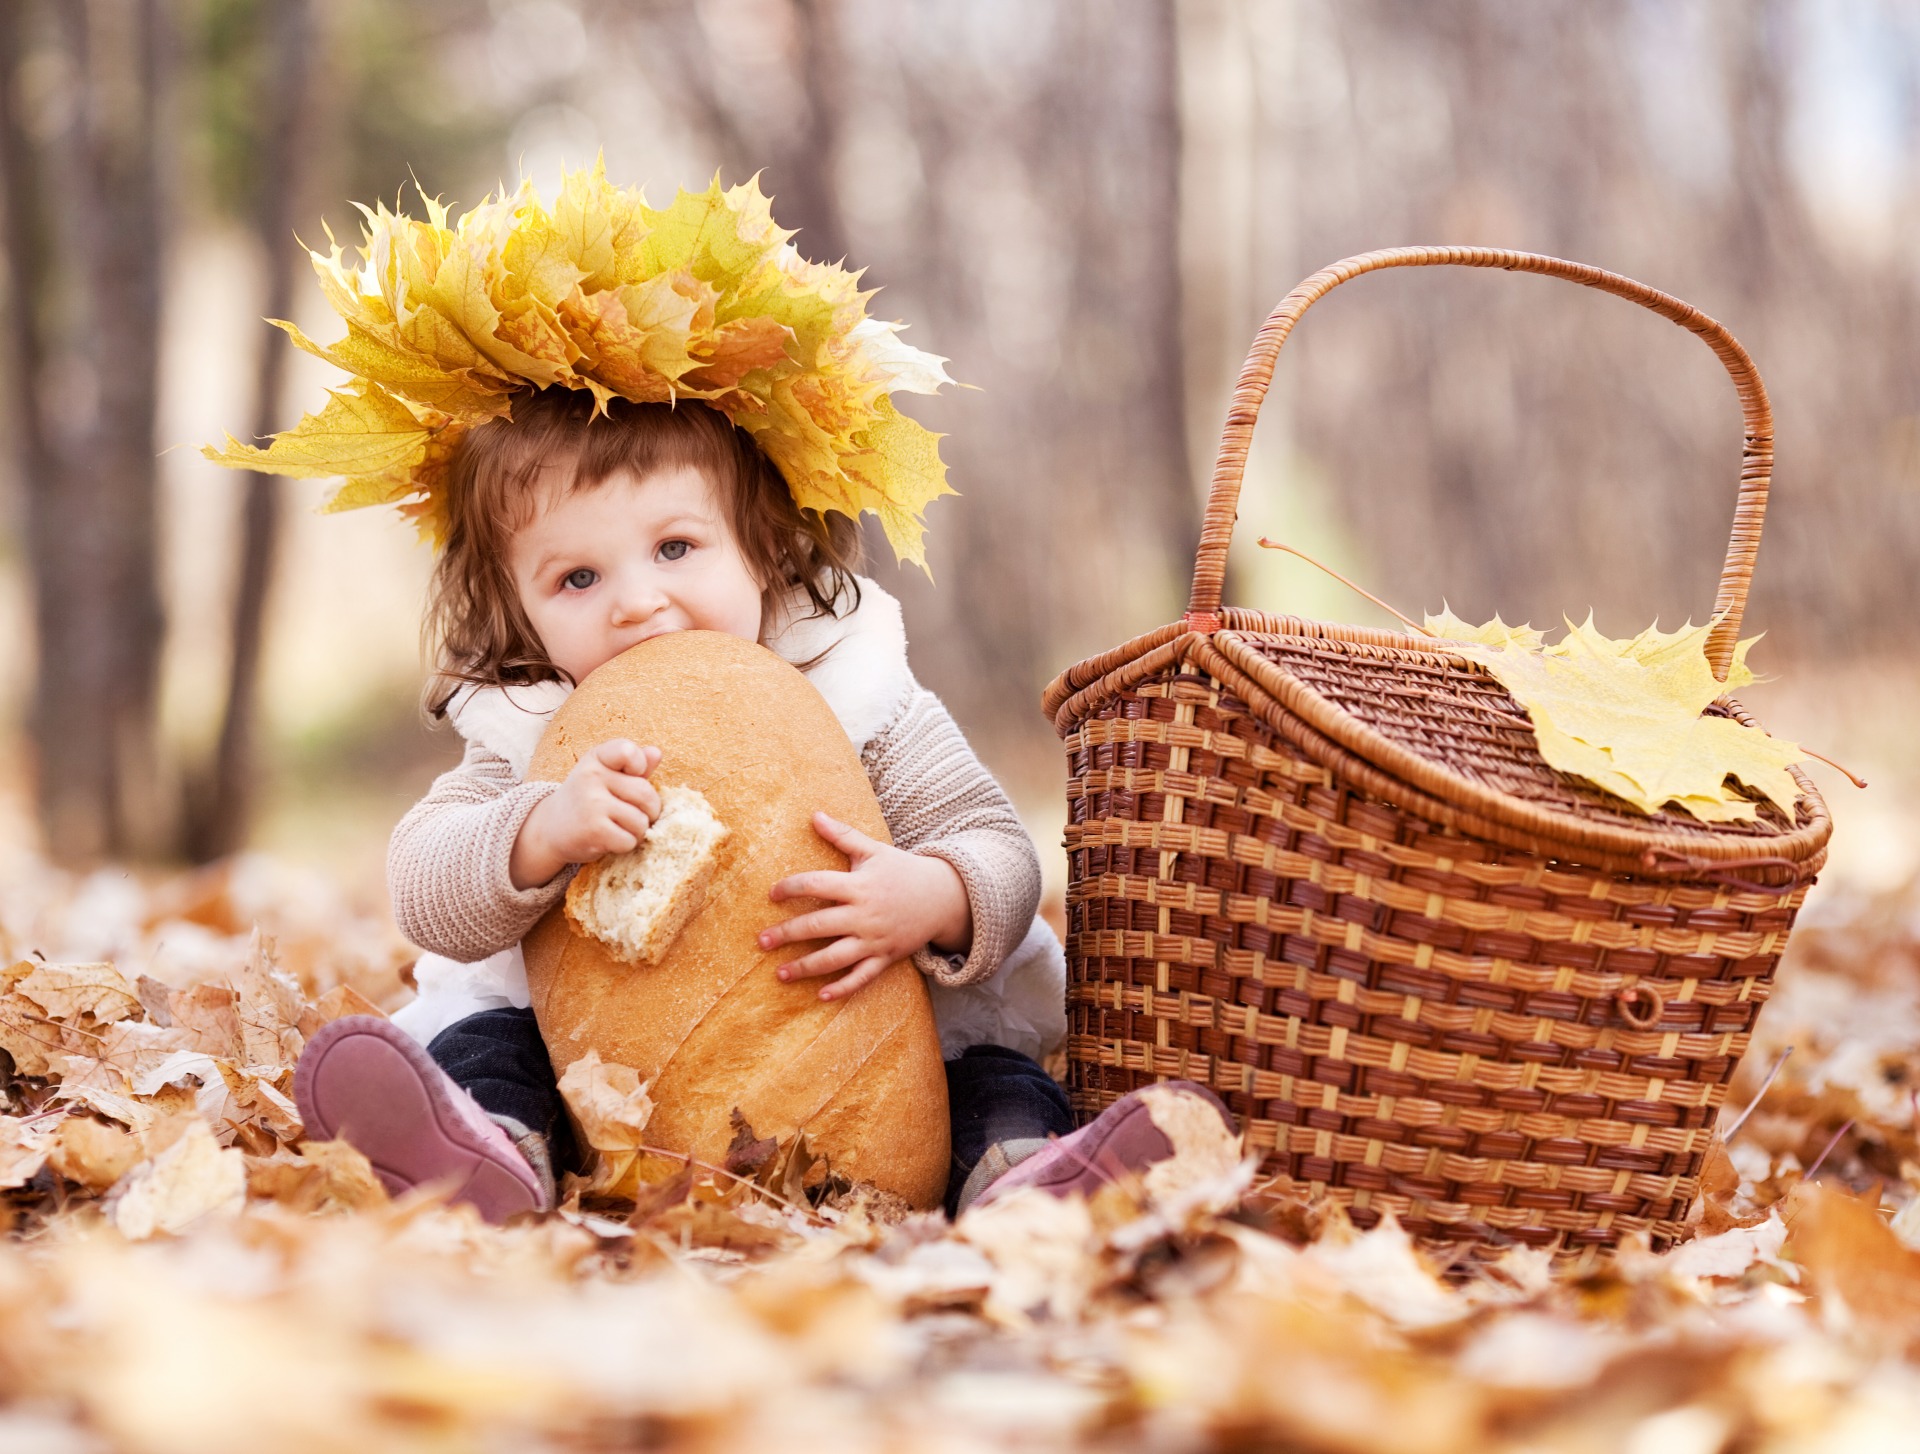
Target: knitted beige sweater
<point>447,863</point>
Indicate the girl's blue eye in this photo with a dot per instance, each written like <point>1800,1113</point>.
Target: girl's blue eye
<point>674,549</point>
<point>579,580</point>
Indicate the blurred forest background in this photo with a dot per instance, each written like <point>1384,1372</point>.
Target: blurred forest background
<point>1088,207</point>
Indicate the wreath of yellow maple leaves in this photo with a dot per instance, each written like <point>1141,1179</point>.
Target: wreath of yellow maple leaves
<point>705,299</point>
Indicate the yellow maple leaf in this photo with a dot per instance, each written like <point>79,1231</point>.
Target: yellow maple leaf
<point>1493,633</point>
<point>1627,715</point>
<point>460,394</point>
<point>363,432</point>
<point>901,470</point>
<point>737,349</point>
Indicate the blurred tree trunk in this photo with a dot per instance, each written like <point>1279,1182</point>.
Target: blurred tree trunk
<point>83,87</point>
<point>219,807</point>
<point>1515,444</point>
<point>1045,260</point>
<point>772,106</point>
<point>800,163</point>
<point>1029,163</point>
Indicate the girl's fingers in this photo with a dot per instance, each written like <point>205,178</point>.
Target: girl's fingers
<point>612,839</point>
<point>629,758</point>
<point>620,755</point>
<point>850,841</point>
<point>821,924</point>
<point>637,792</point>
<point>628,820</point>
<point>824,883</point>
<point>830,960</point>
<point>861,975</point>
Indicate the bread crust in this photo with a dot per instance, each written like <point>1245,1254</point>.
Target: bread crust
<point>709,1025</point>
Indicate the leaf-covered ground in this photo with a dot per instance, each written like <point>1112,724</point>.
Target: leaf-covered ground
<point>184,1273</point>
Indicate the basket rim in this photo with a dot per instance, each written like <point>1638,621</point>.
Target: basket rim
<point>1332,737</point>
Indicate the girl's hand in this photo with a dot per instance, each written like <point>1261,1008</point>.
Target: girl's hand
<point>888,905</point>
<point>605,806</point>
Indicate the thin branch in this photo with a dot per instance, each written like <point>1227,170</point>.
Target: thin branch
<point>1362,590</point>
<point>219,809</point>
<point>1854,778</point>
<point>1821,1160</point>
<point>1766,1085</point>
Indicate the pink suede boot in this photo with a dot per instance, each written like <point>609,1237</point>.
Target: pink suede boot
<point>364,1081</point>
<point>1164,1137</point>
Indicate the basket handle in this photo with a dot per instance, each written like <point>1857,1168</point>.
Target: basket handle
<point>1756,454</point>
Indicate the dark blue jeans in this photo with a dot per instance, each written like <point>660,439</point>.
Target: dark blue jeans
<point>993,1094</point>
<point>498,1058</point>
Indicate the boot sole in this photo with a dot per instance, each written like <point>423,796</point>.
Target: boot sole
<point>362,1081</point>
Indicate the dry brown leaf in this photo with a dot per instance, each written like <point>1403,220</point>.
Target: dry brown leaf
<point>208,1017</point>
<point>93,1153</point>
<point>24,1145</point>
<point>651,1202</point>
<point>154,994</point>
<point>96,1085</point>
<point>786,1176</point>
<point>1730,1253</point>
<point>135,1048</point>
<point>724,1319</point>
<point>336,1004</point>
<point>746,1228</point>
<point>75,991</point>
<point>258,1097</point>
<point>28,1036</point>
<point>319,1176</point>
<point>193,1178</point>
<point>268,1006</point>
<point>1854,1261</point>
<point>748,1153</point>
<point>610,1108</point>
<point>1040,1246</point>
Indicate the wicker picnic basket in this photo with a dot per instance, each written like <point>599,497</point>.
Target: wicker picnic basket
<point>1325,871</point>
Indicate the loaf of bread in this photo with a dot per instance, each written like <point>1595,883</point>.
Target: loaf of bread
<point>636,903</point>
<point>708,1024</point>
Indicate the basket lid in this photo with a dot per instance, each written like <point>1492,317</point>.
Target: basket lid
<point>1409,719</point>
<point>1413,723</point>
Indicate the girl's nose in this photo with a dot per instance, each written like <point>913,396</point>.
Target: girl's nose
<point>636,601</point>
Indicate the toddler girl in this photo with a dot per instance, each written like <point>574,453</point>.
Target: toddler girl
<point>528,385</point>
<point>571,539</point>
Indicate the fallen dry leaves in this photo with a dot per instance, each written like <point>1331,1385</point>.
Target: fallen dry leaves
<point>185,1272</point>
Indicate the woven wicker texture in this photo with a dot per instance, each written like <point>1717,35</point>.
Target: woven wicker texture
<point>1326,871</point>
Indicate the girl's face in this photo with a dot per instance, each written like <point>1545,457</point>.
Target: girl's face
<point>603,569</point>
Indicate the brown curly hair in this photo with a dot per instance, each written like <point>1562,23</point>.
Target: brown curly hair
<point>476,631</point>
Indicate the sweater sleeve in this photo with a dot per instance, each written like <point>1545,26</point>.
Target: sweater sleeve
<point>940,800</point>
<point>447,862</point>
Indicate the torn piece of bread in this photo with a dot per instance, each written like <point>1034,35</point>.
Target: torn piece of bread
<point>636,903</point>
